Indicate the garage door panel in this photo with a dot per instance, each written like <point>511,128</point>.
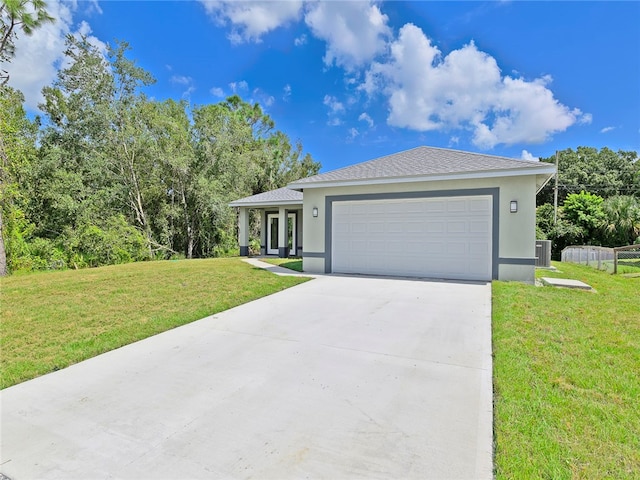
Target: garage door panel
<point>456,206</point>
<point>415,226</point>
<point>416,208</point>
<point>457,248</point>
<point>358,209</point>
<point>397,227</point>
<point>480,205</point>
<point>435,206</point>
<point>476,226</point>
<point>432,248</point>
<point>434,227</point>
<point>479,248</point>
<point>376,226</point>
<point>456,227</point>
<point>425,237</point>
<point>358,227</point>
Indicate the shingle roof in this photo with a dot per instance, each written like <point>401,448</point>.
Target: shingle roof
<point>277,197</point>
<point>420,161</point>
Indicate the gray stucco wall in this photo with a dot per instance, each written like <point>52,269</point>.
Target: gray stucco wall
<point>516,231</point>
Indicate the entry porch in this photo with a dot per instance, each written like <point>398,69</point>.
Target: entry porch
<point>280,214</point>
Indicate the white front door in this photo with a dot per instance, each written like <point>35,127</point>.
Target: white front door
<point>273,222</point>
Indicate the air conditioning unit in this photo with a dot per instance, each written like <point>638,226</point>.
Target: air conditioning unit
<point>543,253</point>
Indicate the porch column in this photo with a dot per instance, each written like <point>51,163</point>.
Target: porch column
<point>299,239</point>
<point>263,232</point>
<point>283,232</point>
<point>243,231</point>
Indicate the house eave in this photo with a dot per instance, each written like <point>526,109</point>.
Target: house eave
<point>266,204</point>
<point>425,178</point>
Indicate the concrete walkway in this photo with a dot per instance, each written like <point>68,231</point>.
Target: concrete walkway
<point>340,377</point>
<point>256,262</point>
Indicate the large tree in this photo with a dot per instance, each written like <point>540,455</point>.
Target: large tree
<point>238,152</point>
<point>108,155</point>
<point>17,153</point>
<point>25,15</point>
<point>602,172</point>
<point>621,222</point>
<point>73,182</point>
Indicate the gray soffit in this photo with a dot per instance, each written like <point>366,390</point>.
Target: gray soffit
<point>424,163</point>
<point>281,196</point>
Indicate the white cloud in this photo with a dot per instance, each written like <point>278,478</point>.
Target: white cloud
<point>301,40</point>
<point>93,7</point>
<point>287,92</point>
<point>583,118</point>
<point>335,107</point>
<point>465,89</point>
<point>528,156</point>
<point>251,20</point>
<point>180,80</point>
<point>353,133</point>
<point>355,31</point>
<point>364,117</point>
<point>262,97</point>
<point>184,81</point>
<point>268,100</point>
<point>217,92</point>
<point>240,86</point>
<point>40,55</point>
<point>607,129</point>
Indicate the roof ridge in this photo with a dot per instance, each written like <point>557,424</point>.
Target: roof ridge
<point>475,153</point>
<point>365,162</point>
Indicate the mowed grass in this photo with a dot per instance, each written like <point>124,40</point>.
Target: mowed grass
<point>54,319</point>
<point>290,263</point>
<point>567,378</point>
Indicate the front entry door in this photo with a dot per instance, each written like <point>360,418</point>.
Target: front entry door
<point>273,221</point>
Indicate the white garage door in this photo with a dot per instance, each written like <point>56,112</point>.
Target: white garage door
<point>443,237</point>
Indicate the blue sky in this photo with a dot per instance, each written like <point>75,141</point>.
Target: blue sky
<point>354,80</point>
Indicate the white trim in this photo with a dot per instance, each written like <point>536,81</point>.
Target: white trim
<point>424,178</point>
<point>544,184</point>
<point>275,251</point>
<point>271,251</point>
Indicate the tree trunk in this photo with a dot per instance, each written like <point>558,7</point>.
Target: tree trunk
<point>3,252</point>
<point>189,242</point>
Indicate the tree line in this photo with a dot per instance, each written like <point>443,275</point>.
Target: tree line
<point>108,175</point>
<point>598,198</point>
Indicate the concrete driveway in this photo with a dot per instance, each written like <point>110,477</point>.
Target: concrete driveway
<point>341,377</point>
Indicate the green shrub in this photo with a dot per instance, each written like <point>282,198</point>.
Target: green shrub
<point>113,242</point>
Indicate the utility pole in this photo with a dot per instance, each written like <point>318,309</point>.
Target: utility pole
<point>555,195</point>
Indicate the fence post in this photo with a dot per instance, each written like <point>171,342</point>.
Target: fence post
<point>599,264</point>
<point>615,261</point>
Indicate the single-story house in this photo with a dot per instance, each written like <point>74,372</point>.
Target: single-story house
<point>424,212</point>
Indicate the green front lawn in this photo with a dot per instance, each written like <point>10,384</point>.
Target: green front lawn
<point>54,319</point>
<point>290,263</point>
<point>565,368</point>
<point>567,377</point>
